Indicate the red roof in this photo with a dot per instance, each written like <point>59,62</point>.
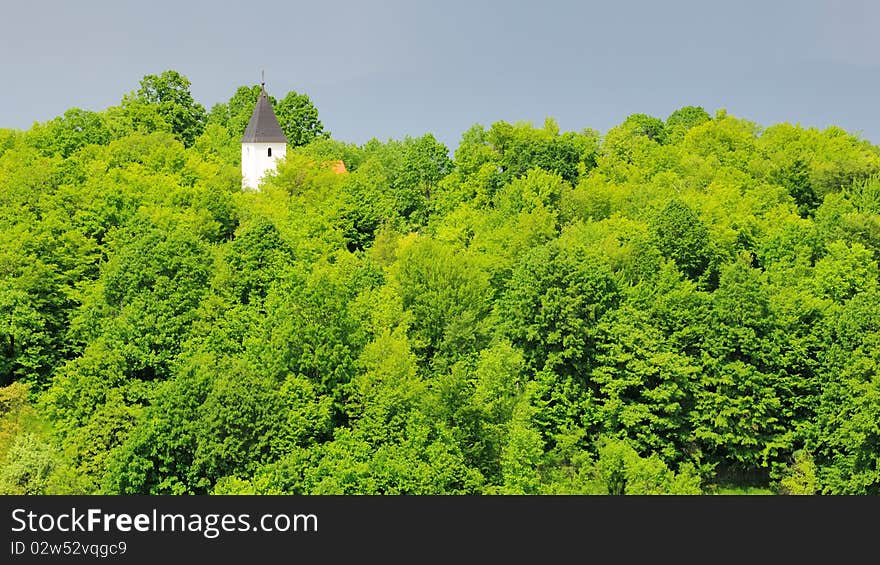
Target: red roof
<point>337,167</point>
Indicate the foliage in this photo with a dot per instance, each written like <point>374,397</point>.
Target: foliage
<point>169,93</point>
<point>298,119</point>
<point>678,306</point>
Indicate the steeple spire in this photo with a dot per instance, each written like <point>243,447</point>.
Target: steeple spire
<point>263,126</point>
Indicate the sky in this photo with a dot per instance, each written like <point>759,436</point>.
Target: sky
<point>392,69</point>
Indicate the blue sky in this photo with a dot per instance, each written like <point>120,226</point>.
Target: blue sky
<point>396,68</point>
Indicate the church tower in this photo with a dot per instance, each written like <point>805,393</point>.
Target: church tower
<point>262,144</point>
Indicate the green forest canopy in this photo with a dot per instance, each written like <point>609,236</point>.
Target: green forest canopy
<point>686,305</point>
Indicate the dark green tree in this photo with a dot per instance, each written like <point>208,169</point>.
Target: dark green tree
<point>298,119</point>
<point>235,114</point>
<point>169,93</point>
<point>796,179</point>
<point>680,121</point>
<point>76,128</point>
<point>552,303</point>
<point>681,236</point>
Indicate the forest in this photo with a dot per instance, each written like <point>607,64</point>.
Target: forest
<point>685,305</point>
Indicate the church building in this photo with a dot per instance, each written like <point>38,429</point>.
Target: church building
<point>262,144</point>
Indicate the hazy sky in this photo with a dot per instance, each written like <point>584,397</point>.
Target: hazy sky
<point>396,68</point>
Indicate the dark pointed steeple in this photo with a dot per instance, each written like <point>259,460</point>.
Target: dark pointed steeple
<point>263,127</point>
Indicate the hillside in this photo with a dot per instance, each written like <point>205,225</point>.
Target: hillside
<point>685,305</point>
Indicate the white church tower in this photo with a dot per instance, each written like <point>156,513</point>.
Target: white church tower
<point>263,143</point>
